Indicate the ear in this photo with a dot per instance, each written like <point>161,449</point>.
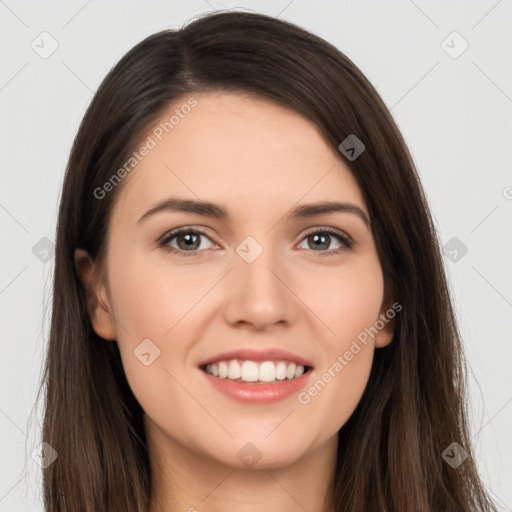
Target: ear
<point>386,324</point>
<point>98,305</point>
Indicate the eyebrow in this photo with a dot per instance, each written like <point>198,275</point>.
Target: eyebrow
<point>218,212</point>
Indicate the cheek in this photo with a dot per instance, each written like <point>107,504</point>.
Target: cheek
<point>348,301</point>
<point>355,307</point>
<point>349,305</point>
<point>151,300</point>
<point>153,304</point>
<point>164,304</point>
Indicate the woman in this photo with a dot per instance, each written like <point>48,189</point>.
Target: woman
<point>210,347</point>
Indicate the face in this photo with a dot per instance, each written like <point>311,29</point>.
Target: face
<point>255,293</point>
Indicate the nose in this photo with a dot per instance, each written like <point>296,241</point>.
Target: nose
<point>258,293</point>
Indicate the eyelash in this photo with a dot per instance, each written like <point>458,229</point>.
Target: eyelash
<point>341,237</point>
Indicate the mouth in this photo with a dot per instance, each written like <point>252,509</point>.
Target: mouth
<point>250,365</point>
<point>255,372</point>
<point>257,376</point>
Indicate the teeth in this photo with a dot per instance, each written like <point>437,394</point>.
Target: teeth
<point>235,370</point>
<point>223,370</point>
<point>281,370</point>
<point>267,371</point>
<point>290,372</point>
<point>251,371</point>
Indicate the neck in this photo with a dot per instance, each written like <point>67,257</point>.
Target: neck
<point>188,481</point>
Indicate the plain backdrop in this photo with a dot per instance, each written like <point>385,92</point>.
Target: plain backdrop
<point>444,70</point>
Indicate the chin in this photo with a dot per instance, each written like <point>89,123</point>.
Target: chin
<point>258,452</point>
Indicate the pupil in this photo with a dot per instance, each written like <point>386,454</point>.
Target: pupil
<point>317,237</point>
<point>189,239</point>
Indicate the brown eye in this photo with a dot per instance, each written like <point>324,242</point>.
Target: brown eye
<point>321,240</point>
<point>187,241</point>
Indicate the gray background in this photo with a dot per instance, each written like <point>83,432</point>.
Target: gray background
<point>453,108</point>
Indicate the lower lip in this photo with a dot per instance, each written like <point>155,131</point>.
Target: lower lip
<point>256,393</point>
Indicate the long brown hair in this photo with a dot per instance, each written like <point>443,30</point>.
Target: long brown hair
<point>413,408</point>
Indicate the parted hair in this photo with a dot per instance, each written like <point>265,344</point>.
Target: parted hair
<point>415,404</point>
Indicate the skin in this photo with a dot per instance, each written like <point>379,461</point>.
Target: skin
<point>258,160</point>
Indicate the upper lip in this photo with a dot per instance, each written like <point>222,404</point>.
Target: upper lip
<point>270,354</point>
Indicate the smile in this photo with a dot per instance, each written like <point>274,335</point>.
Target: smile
<point>257,376</point>
<point>255,371</point>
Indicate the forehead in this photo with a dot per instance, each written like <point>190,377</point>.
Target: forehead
<point>248,154</point>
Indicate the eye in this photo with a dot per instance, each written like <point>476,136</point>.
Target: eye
<point>188,241</point>
<point>322,237</point>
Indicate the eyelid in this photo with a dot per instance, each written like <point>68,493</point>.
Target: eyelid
<point>164,240</point>
<point>171,234</point>
<point>346,240</point>
<point>330,230</point>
